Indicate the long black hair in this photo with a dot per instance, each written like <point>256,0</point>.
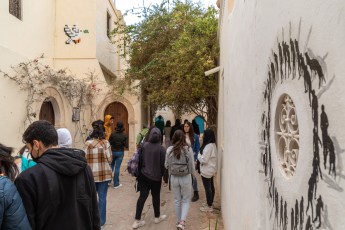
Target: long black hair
<point>178,142</point>
<point>208,138</point>
<point>190,133</point>
<point>7,165</point>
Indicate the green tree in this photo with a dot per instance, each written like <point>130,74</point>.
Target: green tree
<point>168,53</point>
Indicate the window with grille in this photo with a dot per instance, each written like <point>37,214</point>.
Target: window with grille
<point>15,8</point>
<point>287,135</point>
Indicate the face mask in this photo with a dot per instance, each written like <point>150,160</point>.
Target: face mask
<point>32,156</point>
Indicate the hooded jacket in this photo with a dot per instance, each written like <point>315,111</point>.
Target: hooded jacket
<point>12,211</point>
<point>107,126</point>
<point>153,156</point>
<point>59,192</point>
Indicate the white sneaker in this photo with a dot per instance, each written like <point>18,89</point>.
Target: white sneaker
<point>120,185</point>
<point>204,204</point>
<point>206,209</point>
<point>160,219</point>
<point>138,224</point>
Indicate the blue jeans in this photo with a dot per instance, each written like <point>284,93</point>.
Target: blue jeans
<point>182,191</point>
<point>116,163</point>
<point>102,189</point>
<point>195,184</point>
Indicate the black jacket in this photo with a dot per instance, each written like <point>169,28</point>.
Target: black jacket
<point>153,157</point>
<point>59,192</point>
<point>118,141</point>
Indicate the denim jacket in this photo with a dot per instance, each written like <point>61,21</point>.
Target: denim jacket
<point>196,146</point>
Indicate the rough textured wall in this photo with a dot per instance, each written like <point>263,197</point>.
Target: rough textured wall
<point>284,128</point>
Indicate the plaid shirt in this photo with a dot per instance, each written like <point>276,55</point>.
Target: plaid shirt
<point>98,157</point>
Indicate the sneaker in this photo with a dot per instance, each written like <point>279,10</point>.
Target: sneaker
<point>206,209</point>
<point>102,226</point>
<point>160,219</point>
<point>120,185</point>
<point>181,225</point>
<point>138,224</point>
<point>204,204</point>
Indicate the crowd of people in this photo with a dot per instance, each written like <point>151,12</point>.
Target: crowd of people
<point>49,181</point>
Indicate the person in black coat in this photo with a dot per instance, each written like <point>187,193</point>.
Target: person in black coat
<point>59,191</point>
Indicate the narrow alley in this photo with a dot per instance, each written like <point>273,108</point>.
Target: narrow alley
<point>121,205</point>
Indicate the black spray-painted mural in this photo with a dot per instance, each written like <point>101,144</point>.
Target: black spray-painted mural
<point>289,62</point>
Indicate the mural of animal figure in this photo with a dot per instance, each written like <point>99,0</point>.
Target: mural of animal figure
<point>292,219</point>
<point>331,157</point>
<point>276,63</point>
<point>281,212</point>
<point>281,61</point>
<point>324,126</point>
<point>296,215</point>
<point>277,205</point>
<point>315,68</point>
<point>273,74</point>
<point>306,76</point>
<point>73,34</point>
<point>301,213</point>
<point>285,216</point>
<point>308,226</point>
<point>293,54</point>
<point>287,62</point>
<point>311,187</point>
<point>319,206</point>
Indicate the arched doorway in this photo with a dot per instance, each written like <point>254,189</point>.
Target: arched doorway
<point>47,112</point>
<point>120,113</point>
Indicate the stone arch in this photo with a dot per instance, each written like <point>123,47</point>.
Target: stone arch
<point>54,96</point>
<point>131,115</point>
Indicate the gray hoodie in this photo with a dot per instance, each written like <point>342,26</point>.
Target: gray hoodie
<point>153,156</point>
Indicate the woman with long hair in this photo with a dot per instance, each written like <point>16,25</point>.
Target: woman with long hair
<point>98,157</point>
<point>180,156</point>
<point>208,167</point>
<point>12,211</point>
<point>193,141</point>
<point>167,130</point>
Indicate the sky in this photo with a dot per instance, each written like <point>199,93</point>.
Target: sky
<point>125,5</point>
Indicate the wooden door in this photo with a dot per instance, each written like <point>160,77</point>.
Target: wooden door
<point>120,113</point>
<point>47,112</point>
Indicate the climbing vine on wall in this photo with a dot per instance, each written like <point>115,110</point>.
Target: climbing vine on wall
<point>34,77</point>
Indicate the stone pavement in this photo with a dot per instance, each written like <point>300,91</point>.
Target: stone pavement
<point>121,204</point>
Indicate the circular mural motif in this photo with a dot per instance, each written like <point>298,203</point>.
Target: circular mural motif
<point>289,63</point>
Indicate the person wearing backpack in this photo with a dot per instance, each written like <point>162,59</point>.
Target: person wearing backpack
<point>151,170</point>
<point>193,141</point>
<point>208,167</point>
<point>179,161</point>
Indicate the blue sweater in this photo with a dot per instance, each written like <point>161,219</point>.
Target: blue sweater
<point>12,211</point>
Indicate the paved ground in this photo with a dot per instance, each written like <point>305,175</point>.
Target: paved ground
<point>121,205</point>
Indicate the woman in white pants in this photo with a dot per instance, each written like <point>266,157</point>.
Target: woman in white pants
<point>180,163</point>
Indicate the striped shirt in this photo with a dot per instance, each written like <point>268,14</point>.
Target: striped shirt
<point>98,157</point>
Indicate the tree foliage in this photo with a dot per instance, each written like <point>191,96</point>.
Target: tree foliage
<point>168,53</point>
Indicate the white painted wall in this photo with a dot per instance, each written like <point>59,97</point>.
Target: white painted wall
<point>248,34</point>
<point>41,30</point>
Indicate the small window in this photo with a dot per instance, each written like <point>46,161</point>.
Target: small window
<point>108,24</point>
<point>15,8</point>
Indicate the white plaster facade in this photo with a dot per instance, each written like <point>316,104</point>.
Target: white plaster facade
<point>41,31</point>
<point>250,34</point>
